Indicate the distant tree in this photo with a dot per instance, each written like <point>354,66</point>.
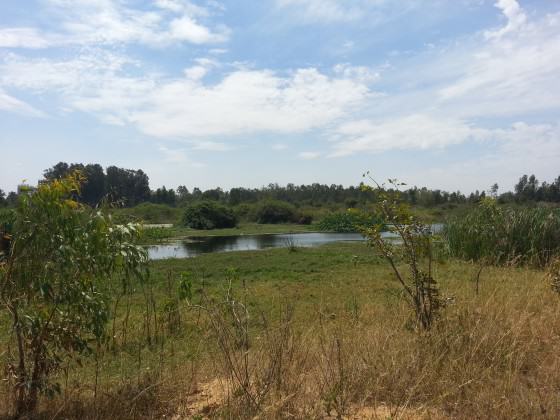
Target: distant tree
<point>215,194</point>
<point>494,190</point>
<point>164,196</point>
<point>196,193</point>
<point>58,171</point>
<point>127,186</point>
<point>12,199</point>
<point>93,187</point>
<point>183,194</point>
<point>3,202</point>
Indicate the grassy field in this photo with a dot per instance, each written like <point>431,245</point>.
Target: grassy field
<point>327,335</point>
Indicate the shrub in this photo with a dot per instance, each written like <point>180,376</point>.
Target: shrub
<point>275,212</point>
<point>208,215</point>
<point>56,285</point>
<point>7,218</point>
<point>245,211</point>
<point>305,219</point>
<point>352,220</point>
<point>147,212</point>
<point>504,235</point>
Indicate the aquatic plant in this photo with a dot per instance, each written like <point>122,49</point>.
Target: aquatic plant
<point>501,235</point>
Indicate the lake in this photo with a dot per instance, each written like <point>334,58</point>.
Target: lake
<point>192,247</point>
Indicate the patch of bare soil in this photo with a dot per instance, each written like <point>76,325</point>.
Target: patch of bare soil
<point>203,400</point>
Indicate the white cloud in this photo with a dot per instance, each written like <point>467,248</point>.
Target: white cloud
<point>361,73</point>
<point>187,29</point>
<point>98,22</point>
<point>345,11</point>
<point>212,146</point>
<point>11,104</point>
<point>243,101</point>
<point>309,155</point>
<point>22,38</point>
<point>323,10</point>
<point>509,76</point>
<point>279,146</point>
<point>516,18</point>
<point>178,156</point>
<point>409,132</point>
<point>248,102</point>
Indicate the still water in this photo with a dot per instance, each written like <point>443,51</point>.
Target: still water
<point>208,244</point>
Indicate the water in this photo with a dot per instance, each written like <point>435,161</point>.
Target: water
<point>208,244</point>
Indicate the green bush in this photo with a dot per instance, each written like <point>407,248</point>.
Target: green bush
<point>274,211</point>
<point>505,235</point>
<point>208,215</point>
<point>147,212</point>
<point>7,217</point>
<point>351,220</point>
<point>245,211</point>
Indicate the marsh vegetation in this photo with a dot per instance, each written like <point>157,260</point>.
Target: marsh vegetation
<point>458,325</point>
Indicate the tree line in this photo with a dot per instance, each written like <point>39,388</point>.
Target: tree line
<point>130,187</point>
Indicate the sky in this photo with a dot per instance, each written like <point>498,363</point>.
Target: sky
<point>450,94</point>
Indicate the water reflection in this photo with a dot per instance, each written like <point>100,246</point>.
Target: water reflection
<point>204,245</point>
<point>208,244</point>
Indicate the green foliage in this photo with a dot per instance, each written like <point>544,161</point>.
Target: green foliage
<point>500,235</point>
<point>414,248</point>
<point>148,213</point>
<point>7,217</point>
<point>56,284</point>
<point>275,211</point>
<point>208,215</point>
<point>352,220</point>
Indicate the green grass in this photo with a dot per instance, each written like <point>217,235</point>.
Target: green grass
<point>486,347</point>
<point>505,235</point>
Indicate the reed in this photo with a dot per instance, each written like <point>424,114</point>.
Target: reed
<point>501,236</point>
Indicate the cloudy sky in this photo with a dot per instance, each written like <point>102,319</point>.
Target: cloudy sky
<point>454,94</point>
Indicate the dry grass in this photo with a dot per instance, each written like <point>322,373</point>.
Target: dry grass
<point>494,355</point>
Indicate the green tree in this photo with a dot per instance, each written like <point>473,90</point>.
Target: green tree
<point>55,283</point>
<point>415,250</point>
<point>208,215</point>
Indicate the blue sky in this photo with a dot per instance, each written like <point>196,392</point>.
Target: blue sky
<point>453,94</point>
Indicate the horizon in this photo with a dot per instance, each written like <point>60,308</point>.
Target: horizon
<point>447,95</point>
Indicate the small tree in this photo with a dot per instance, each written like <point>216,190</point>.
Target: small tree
<point>208,215</point>
<point>55,281</point>
<point>411,243</point>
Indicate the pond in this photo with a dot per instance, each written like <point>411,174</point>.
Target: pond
<point>192,247</point>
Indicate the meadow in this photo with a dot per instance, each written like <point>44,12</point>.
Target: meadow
<point>325,334</point>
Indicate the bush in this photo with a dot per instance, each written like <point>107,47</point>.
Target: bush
<point>245,211</point>
<point>275,212</point>
<point>352,220</point>
<point>505,235</point>
<point>147,212</point>
<point>305,219</point>
<point>57,286</point>
<point>208,215</point>
<point>7,218</point>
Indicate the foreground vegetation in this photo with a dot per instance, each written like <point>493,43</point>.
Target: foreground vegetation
<point>495,235</point>
<point>396,329</point>
<point>327,332</point>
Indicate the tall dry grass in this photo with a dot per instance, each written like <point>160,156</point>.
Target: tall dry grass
<point>491,355</point>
